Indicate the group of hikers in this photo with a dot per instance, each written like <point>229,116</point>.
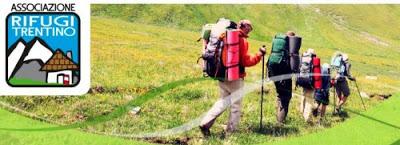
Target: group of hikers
<point>226,55</point>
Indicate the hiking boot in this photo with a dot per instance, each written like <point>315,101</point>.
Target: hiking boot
<point>310,122</point>
<point>205,131</point>
<point>343,114</point>
<point>315,112</point>
<point>340,111</point>
<point>320,122</point>
<point>336,112</point>
<point>226,134</point>
<point>279,124</point>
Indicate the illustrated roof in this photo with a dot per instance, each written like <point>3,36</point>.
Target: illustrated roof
<point>59,62</point>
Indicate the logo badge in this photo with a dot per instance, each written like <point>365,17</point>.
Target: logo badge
<point>44,51</point>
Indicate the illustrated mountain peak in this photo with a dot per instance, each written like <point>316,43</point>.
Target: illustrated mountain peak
<point>37,41</point>
<point>36,49</point>
<point>19,43</point>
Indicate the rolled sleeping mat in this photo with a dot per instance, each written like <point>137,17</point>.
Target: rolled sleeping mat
<point>232,61</point>
<point>294,44</point>
<point>294,48</point>
<point>295,63</point>
<point>317,73</point>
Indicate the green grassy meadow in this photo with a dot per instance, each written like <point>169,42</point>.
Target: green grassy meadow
<point>21,81</point>
<point>18,81</point>
<point>136,48</point>
<point>382,129</point>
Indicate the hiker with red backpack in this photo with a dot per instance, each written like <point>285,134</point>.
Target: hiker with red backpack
<point>309,79</point>
<point>340,63</point>
<point>227,64</point>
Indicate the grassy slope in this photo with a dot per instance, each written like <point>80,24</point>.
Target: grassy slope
<point>380,125</point>
<point>377,126</point>
<point>135,49</point>
<point>66,137</point>
<point>327,28</point>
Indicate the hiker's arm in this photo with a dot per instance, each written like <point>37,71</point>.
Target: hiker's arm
<point>348,66</point>
<point>248,59</point>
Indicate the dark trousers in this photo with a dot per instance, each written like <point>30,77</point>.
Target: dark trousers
<point>283,89</point>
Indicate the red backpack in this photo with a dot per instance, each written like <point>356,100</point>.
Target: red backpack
<point>317,73</point>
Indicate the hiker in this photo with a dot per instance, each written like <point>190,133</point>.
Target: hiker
<point>340,62</point>
<point>306,81</point>
<point>322,95</point>
<point>229,87</point>
<point>278,64</point>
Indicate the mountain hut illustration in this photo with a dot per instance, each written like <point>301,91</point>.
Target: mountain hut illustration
<point>60,68</point>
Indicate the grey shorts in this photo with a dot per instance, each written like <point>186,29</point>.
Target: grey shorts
<point>342,88</point>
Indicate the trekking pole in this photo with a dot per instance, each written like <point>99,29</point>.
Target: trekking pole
<point>334,98</point>
<point>358,90</point>
<point>262,91</point>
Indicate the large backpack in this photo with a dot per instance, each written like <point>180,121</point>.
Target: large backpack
<point>213,47</point>
<point>206,32</point>
<point>305,78</point>
<point>279,51</point>
<point>338,64</point>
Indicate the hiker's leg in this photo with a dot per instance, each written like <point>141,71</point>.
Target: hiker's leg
<point>281,109</point>
<point>338,94</point>
<point>236,106</point>
<point>285,108</point>
<point>278,105</point>
<point>308,93</point>
<point>322,110</point>
<point>323,102</point>
<point>318,106</point>
<point>284,89</point>
<point>343,101</point>
<point>345,92</point>
<point>302,102</point>
<point>288,95</point>
<point>234,116</point>
<point>321,116</point>
<point>316,110</point>
<point>218,107</point>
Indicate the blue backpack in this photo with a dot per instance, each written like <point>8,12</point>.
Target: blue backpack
<point>326,78</point>
<point>338,64</point>
<point>323,93</point>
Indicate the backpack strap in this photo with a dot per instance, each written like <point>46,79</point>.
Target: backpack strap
<point>232,66</point>
<point>198,59</point>
<point>275,51</point>
<point>233,44</point>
